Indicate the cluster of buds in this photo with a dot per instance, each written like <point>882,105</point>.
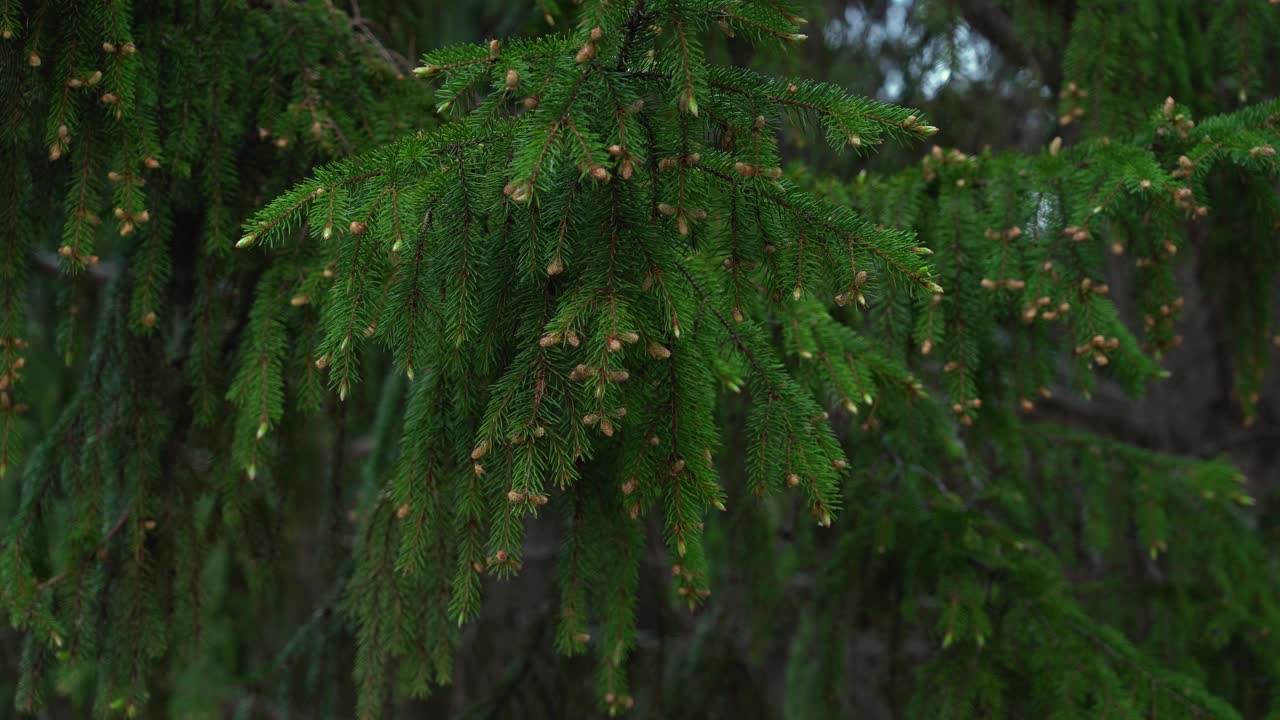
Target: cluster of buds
<point>72,254</point>
<point>989,284</point>
<point>1042,308</point>
<point>1186,166</point>
<point>627,166</point>
<point>613,343</point>
<point>670,163</point>
<point>1262,151</point>
<point>750,171</point>
<point>1088,286</point>
<point>854,293</point>
<point>605,419</point>
<point>520,193</point>
<point>10,374</point>
<point>1184,198</point>
<point>1027,405</point>
<point>125,49</point>
<point>937,157</point>
<point>88,79</point>
<point>1167,311</point>
<point>1099,346</point>
<point>60,143</point>
<point>1071,95</point>
<point>916,125</point>
<point>128,219</point>
<point>588,50</point>
<point>281,141</point>
<point>552,339</point>
<point>7,405</point>
<point>618,703</point>
<point>690,591</point>
<point>1075,234</point>
<point>682,216</point>
<point>519,496</point>
<point>922,275</point>
<point>1012,233</point>
<point>821,514</point>
<point>1180,123</point>
<point>963,410</point>
<point>583,373</point>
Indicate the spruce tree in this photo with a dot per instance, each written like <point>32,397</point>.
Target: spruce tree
<point>588,306</point>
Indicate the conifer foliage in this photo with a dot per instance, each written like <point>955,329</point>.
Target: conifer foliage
<point>588,296</point>
<point>571,273</point>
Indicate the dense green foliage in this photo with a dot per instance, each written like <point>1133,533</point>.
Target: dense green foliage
<point>585,322</point>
